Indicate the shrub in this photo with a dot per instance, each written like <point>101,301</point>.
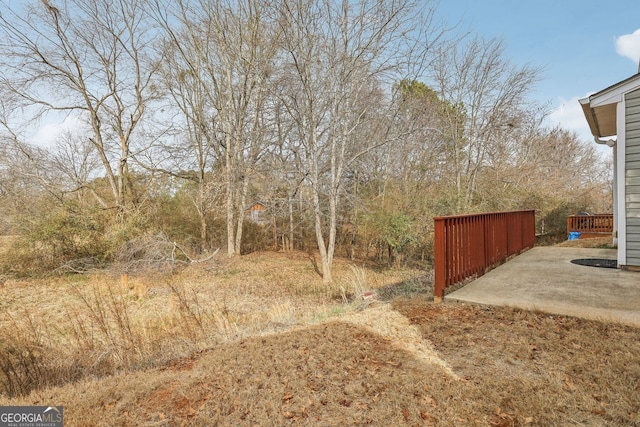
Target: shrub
<point>61,235</point>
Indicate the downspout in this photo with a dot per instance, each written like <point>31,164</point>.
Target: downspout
<point>612,143</point>
<point>608,142</point>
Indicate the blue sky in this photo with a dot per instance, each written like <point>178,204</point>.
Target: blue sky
<point>573,41</point>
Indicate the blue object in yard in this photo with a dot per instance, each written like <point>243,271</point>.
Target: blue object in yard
<point>574,235</point>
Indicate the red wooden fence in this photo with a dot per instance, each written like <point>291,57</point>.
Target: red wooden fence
<point>590,225</point>
<point>467,245</point>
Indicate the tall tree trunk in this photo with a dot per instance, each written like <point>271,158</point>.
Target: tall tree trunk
<point>290,245</point>
<point>230,187</point>
<point>242,203</point>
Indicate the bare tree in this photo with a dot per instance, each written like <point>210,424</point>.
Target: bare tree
<point>489,94</point>
<point>90,58</point>
<point>340,57</point>
<point>187,148</point>
<point>75,158</point>
<point>227,50</point>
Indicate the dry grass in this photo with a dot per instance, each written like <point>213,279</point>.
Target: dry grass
<point>65,329</point>
<point>420,364</point>
<point>595,242</point>
<point>330,374</point>
<point>523,367</point>
<point>5,244</point>
<point>261,340</point>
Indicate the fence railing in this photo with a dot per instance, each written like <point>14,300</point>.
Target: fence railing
<point>467,245</point>
<point>590,224</point>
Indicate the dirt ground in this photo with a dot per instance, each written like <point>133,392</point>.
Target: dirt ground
<point>411,362</point>
<point>276,348</point>
<point>594,242</point>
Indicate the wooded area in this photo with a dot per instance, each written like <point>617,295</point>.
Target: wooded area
<point>352,123</point>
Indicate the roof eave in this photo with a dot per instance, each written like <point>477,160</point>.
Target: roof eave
<point>589,114</point>
<point>600,109</point>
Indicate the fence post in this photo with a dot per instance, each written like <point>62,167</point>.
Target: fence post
<point>440,260</point>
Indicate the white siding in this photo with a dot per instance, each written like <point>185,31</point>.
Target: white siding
<point>632,176</point>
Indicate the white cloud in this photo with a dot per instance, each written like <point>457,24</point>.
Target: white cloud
<point>47,134</point>
<point>628,46</point>
<point>569,116</point>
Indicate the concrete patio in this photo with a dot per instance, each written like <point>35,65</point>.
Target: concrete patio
<point>544,279</point>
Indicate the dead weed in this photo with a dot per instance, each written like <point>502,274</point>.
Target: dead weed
<point>412,363</point>
<point>521,367</point>
<point>63,329</point>
<point>260,341</point>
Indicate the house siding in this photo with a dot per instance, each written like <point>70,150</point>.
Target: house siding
<point>632,176</point>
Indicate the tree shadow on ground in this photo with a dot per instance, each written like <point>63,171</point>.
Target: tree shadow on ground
<point>418,285</point>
